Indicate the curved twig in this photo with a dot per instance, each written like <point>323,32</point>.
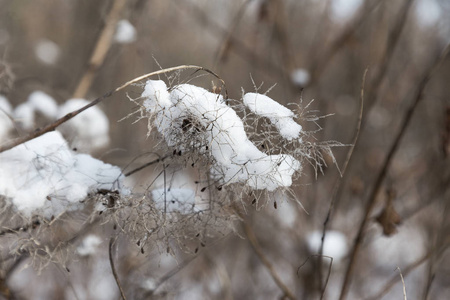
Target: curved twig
<point>40,131</point>
<point>111,262</point>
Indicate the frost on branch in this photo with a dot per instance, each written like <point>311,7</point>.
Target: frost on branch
<point>192,119</point>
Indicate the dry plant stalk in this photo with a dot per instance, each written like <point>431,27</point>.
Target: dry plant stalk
<point>101,49</point>
<point>416,97</point>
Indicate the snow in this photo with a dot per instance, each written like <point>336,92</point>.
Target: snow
<point>44,104</point>
<point>47,51</point>
<point>176,200</point>
<point>335,246</point>
<point>236,158</point>
<point>5,122</point>
<point>125,32</point>
<point>24,115</point>
<point>300,77</point>
<point>44,177</point>
<point>87,131</point>
<point>89,245</point>
<point>343,10</point>
<point>280,116</point>
<point>399,250</point>
<point>427,12</point>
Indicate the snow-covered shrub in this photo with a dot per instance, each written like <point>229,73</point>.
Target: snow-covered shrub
<point>201,123</point>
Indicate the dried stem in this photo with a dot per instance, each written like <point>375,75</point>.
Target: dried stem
<point>111,261</point>
<point>160,159</point>
<point>101,49</point>
<point>386,58</point>
<point>417,96</point>
<point>391,283</point>
<point>322,62</point>
<point>258,250</point>
<point>339,181</point>
<point>403,283</point>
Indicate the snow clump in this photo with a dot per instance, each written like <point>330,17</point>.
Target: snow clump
<point>190,117</point>
<point>89,130</point>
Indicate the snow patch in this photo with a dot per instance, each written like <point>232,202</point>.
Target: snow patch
<point>89,130</point>
<point>125,32</point>
<point>236,159</point>
<point>47,51</point>
<point>44,177</point>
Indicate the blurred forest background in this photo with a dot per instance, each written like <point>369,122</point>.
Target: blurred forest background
<point>391,206</point>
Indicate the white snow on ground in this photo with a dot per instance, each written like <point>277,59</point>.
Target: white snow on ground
<point>125,32</point>
<point>280,116</point>
<point>237,159</point>
<point>44,177</point>
<point>87,131</point>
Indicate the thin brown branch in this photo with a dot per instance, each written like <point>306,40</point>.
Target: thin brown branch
<point>160,159</point>
<point>322,62</point>
<point>438,239</point>
<point>172,273</point>
<point>338,184</point>
<point>239,46</point>
<point>259,252</point>
<point>101,49</point>
<point>387,56</point>
<point>51,127</point>
<point>417,96</point>
<point>393,281</point>
<point>111,261</point>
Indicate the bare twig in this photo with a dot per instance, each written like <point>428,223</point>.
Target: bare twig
<point>417,96</point>
<point>322,62</point>
<point>239,46</point>
<point>339,181</point>
<point>111,261</point>
<point>393,281</point>
<point>172,273</point>
<point>40,131</point>
<point>386,58</point>
<point>403,283</point>
<point>101,49</point>
<point>320,256</point>
<point>258,250</point>
<point>438,240</point>
<point>160,159</point>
